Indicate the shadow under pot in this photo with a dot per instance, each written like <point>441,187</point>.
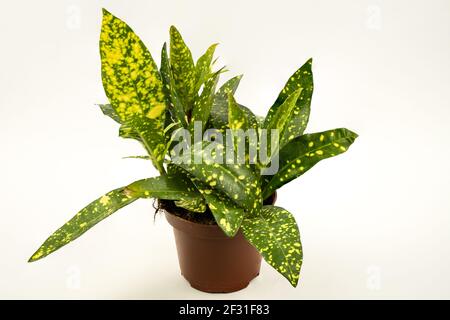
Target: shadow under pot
<point>209,260</point>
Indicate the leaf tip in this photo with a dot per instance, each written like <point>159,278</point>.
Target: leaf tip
<point>36,256</point>
<point>174,31</point>
<point>353,135</point>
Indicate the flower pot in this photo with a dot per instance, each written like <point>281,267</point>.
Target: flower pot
<point>209,260</point>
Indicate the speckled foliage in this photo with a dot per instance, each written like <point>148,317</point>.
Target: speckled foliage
<point>152,103</point>
<point>275,234</point>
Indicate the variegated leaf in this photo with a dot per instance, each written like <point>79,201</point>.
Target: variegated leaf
<point>109,111</point>
<point>132,84</point>
<point>227,214</point>
<point>238,181</point>
<point>219,111</point>
<point>275,234</point>
<point>279,118</point>
<point>202,105</point>
<point>203,67</point>
<point>95,212</point>
<point>127,132</point>
<point>166,187</point>
<point>237,117</point>
<point>183,69</point>
<point>173,100</point>
<point>302,78</point>
<point>196,205</point>
<point>302,153</point>
<point>162,187</point>
<point>219,118</point>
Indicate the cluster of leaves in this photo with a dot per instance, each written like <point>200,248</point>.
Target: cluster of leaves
<point>150,103</point>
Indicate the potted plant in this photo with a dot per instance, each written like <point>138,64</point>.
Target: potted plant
<point>220,203</point>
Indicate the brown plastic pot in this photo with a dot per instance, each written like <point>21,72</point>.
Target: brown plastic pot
<point>212,262</point>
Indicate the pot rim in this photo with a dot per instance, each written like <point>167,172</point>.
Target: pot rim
<point>201,230</point>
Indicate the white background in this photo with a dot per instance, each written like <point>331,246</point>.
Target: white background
<point>374,222</point>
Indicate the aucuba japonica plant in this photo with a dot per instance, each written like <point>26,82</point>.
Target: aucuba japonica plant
<point>152,104</point>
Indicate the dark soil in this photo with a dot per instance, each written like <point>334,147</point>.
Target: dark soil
<point>196,217</point>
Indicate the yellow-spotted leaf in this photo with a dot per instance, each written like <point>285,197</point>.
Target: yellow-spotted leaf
<point>219,111</point>
<point>163,187</point>
<point>227,214</point>
<point>195,205</point>
<point>237,117</point>
<point>173,100</point>
<point>298,119</point>
<point>132,84</point>
<point>203,67</point>
<point>274,233</point>
<point>302,153</point>
<point>202,105</point>
<point>95,212</point>
<point>280,118</point>
<point>183,69</point>
<point>238,181</point>
<point>239,121</point>
<point>126,131</point>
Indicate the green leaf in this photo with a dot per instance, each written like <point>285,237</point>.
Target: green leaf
<point>237,117</point>
<point>302,153</point>
<point>202,105</point>
<point>302,78</point>
<point>275,235</point>
<point>183,68</point>
<point>132,84</point>
<point>173,100</point>
<point>163,187</point>
<point>279,119</point>
<point>127,132</point>
<point>203,67</point>
<point>238,181</point>
<point>137,157</point>
<point>196,205</point>
<point>219,110</point>
<point>227,214</point>
<point>95,212</point>
<point>166,187</point>
<point>108,110</point>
